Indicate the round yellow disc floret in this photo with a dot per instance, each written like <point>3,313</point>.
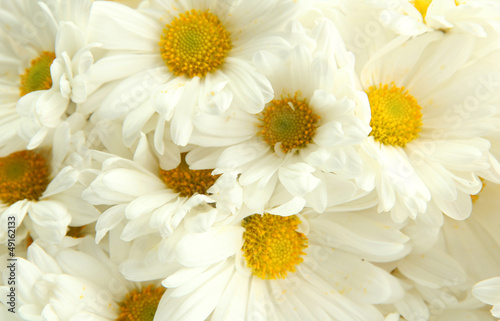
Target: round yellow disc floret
<point>37,76</point>
<point>23,175</point>
<point>194,44</point>
<point>288,121</point>
<point>141,305</point>
<point>272,245</point>
<point>187,181</point>
<point>396,116</point>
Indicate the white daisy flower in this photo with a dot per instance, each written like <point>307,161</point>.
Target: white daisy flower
<point>283,267</point>
<point>40,184</point>
<point>155,192</point>
<point>47,62</point>
<point>178,58</point>
<point>433,113</point>
<point>414,17</point>
<point>79,284</point>
<point>306,137</point>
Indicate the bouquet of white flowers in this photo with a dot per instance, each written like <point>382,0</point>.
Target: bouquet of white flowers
<point>231,160</point>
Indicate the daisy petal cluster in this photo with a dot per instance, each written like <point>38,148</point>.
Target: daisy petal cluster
<point>231,160</point>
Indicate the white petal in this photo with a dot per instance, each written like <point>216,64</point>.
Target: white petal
<point>108,27</point>
<point>108,220</point>
<point>51,220</point>
<point>181,126</point>
<point>488,291</point>
<point>66,178</point>
<point>434,269</point>
<point>120,185</point>
<point>208,248</point>
<point>297,179</point>
<point>146,204</point>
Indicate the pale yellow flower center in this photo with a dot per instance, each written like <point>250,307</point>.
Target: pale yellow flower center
<point>194,44</point>
<point>288,121</point>
<point>396,116</point>
<point>141,305</point>
<point>187,181</point>
<point>272,245</point>
<point>23,175</point>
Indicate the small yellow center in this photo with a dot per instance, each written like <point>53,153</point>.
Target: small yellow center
<point>396,116</point>
<point>23,175</point>
<point>194,44</point>
<point>288,121</point>
<point>272,246</point>
<point>37,76</point>
<point>141,305</point>
<point>187,181</point>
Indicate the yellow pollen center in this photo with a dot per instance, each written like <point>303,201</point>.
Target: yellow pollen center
<point>194,44</point>
<point>23,175</point>
<point>396,116</point>
<point>37,76</point>
<point>187,181</point>
<point>288,121</point>
<point>141,305</point>
<point>272,246</point>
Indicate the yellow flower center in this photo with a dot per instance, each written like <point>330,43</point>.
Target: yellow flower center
<point>396,115</point>
<point>272,246</point>
<point>194,44</point>
<point>288,121</point>
<point>23,175</point>
<point>187,181</point>
<point>37,76</point>
<point>141,305</point>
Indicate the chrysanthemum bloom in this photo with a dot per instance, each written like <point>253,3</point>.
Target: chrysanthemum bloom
<point>275,267</point>
<point>46,61</point>
<point>43,185</point>
<point>79,284</point>
<point>177,58</point>
<point>305,139</point>
<point>154,193</point>
<point>433,115</point>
